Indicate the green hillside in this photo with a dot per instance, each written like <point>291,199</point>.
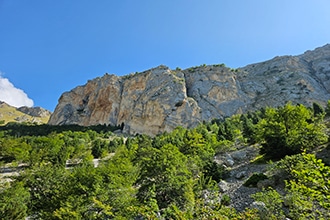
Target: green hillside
<point>11,114</point>
<point>268,164</point>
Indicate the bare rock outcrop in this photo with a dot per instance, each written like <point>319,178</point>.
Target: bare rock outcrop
<point>301,79</point>
<point>161,99</point>
<point>156,101</point>
<point>150,102</point>
<point>216,90</point>
<point>97,102</point>
<point>35,111</point>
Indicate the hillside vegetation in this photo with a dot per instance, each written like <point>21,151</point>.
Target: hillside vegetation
<point>50,172</point>
<point>11,114</point>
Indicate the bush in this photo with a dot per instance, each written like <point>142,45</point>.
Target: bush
<point>289,130</point>
<point>215,171</point>
<point>99,148</point>
<point>273,203</point>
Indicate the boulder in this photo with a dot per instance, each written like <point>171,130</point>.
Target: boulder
<point>223,186</point>
<point>228,160</point>
<point>241,175</point>
<point>239,155</point>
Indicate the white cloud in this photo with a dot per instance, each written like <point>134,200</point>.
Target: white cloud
<point>12,95</point>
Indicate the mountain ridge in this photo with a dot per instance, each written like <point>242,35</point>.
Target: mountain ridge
<point>10,113</point>
<point>160,99</point>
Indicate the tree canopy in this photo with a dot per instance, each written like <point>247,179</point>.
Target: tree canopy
<point>91,173</point>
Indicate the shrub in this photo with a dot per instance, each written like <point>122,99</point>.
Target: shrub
<point>289,130</point>
<point>215,171</point>
<point>225,200</point>
<point>273,202</point>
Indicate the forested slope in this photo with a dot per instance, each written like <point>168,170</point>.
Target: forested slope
<point>170,176</point>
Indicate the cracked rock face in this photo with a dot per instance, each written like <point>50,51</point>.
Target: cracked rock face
<point>156,101</point>
<point>150,102</point>
<point>161,99</point>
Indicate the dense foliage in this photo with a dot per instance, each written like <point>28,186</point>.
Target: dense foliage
<point>74,172</point>
<point>290,130</point>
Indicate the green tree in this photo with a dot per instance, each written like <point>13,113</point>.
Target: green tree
<point>213,170</point>
<point>195,145</point>
<point>308,191</point>
<point>176,138</point>
<point>87,196</point>
<point>14,149</point>
<point>317,109</point>
<point>47,187</point>
<point>14,201</point>
<point>273,204</point>
<point>248,128</point>
<point>226,130</point>
<point>118,178</point>
<point>165,171</point>
<point>289,130</point>
<point>99,148</point>
<point>48,149</point>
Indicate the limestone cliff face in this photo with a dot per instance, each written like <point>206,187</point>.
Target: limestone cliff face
<point>216,90</point>
<point>150,102</point>
<point>155,101</point>
<point>97,102</point>
<point>161,99</point>
<point>301,79</point>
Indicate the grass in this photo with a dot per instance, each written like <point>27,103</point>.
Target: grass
<point>11,114</point>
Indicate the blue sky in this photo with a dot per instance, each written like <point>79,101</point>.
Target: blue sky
<point>48,47</point>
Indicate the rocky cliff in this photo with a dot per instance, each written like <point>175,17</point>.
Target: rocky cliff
<point>35,111</point>
<point>161,99</point>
